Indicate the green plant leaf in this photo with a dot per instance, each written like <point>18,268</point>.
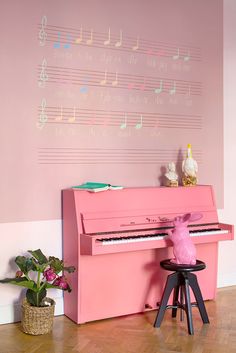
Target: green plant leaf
<point>21,281</point>
<point>25,264</point>
<point>56,264</point>
<point>34,298</point>
<point>39,256</point>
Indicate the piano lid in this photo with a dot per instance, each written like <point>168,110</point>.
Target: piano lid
<point>142,208</point>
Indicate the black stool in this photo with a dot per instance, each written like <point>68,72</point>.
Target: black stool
<point>180,281</point>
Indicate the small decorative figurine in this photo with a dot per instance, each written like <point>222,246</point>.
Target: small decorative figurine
<point>189,168</point>
<point>183,248</point>
<point>171,176</point>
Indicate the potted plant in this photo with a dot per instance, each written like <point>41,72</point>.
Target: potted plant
<point>37,273</point>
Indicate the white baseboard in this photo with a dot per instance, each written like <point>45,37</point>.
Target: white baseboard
<point>12,312</point>
<point>226,280</point>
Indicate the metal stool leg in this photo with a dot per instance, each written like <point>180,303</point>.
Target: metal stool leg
<point>193,282</point>
<point>188,305</point>
<point>175,300</point>
<point>172,281</point>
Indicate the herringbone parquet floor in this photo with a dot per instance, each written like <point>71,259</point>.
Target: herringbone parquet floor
<point>134,333</point>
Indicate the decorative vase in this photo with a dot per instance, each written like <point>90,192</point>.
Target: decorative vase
<point>37,320</point>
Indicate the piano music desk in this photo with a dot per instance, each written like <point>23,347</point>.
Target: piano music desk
<point>116,239</point>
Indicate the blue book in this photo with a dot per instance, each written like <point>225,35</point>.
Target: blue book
<point>96,187</point>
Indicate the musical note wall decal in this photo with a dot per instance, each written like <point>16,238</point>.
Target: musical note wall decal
<point>84,89</point>
<point>123,125</point>
<point>60,117</point>
<point>57,44</point>
<point>42,116</point>
<point>108,41</point>
<point>135,47</point>
<point>104,81</point>
<point>176,56</point>
<point>68,75</point>
<point>172,91</point>
<point>131,85</point>
<point>120,41</point>
<point>139,125</point>
<point>115,82</point>
<point>72,118</point>
<point>142,86</point>
<point>160,88</point>
<point>187,57</point>
<point>42,32</point>
<point>68,41</point>
<point>90,40</point>
<point>80,38</point>
<point>43,77</point>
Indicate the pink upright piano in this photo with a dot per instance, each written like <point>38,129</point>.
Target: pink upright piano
<point>117,238</point>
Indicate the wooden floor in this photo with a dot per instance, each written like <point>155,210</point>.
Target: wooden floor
<point>134,333</point>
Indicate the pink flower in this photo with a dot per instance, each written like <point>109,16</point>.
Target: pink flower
<point>49,274</point>
<point>61,282</point>
<point>19,274</point>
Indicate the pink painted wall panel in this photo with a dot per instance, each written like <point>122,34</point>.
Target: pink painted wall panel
<point>106,91</point>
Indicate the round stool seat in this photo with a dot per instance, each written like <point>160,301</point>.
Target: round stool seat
<point>171,266</point>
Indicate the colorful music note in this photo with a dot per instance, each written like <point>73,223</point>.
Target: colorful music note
<point>67,44</point>
<point>90,40</point>
<point>115,82</point>
<point>187,57</point>
<point>43,75</point>
<point>140,124</point>
<point>57,44</point>
<point>135,47</point>
<point>80,38</point>
<point>172,91</point>
<point>42,33</point>
<point>123,125</point>
<point>59,118</point>
<point>143,85</point>
<point>108,41</point>
<point>131,85</point>
<point>176,56</point>
<point>84,89</point>
<point>104,81</point>
<point>119,42</point>
<point>72,118</point>
<point>160,88</point>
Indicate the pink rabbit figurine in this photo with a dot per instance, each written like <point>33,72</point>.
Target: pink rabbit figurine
<point>183,248</point>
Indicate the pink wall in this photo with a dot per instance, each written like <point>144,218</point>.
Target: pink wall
<point>20,236</point>
<point>106,91</point>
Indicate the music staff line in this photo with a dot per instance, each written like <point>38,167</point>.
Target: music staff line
<point>87,78</point>
<point>60,155</point>
<point>123,120</point>
<point>63,37</point>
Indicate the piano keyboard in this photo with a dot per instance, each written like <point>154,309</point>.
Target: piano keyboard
<point>148,237</point>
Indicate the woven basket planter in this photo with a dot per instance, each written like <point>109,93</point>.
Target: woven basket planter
<point>37,320</point>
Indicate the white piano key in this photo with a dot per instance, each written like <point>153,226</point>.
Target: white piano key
<point>148,238</point>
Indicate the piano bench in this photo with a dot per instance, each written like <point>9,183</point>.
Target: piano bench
<point>179,281</point>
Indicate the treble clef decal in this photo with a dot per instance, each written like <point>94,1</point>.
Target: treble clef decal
<point>42,32</point>
<point>42,116</point>
<point>43,77</point>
